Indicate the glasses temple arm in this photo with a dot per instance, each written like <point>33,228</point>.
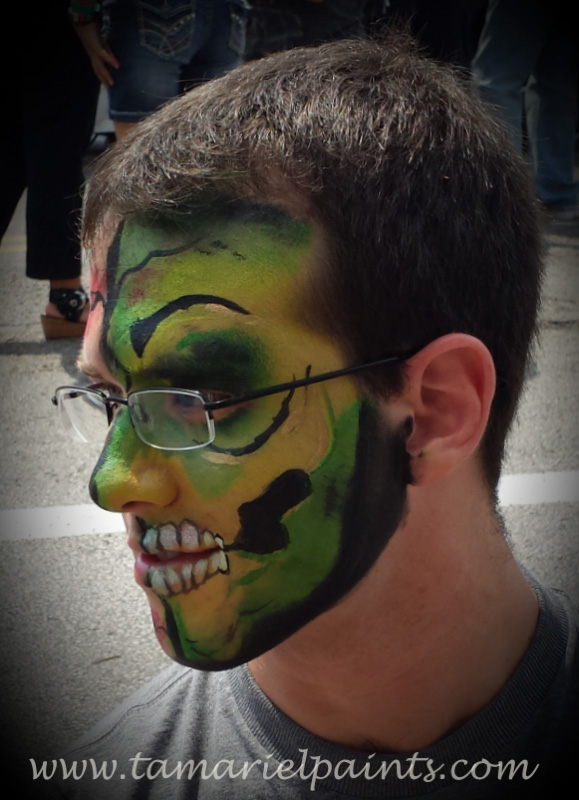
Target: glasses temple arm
<point>282,387</point>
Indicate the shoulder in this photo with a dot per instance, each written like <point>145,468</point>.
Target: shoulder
<point>555,732</point>
<point>149,712</point>
<point>123,752</point>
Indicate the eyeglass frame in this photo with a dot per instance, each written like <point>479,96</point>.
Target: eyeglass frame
<point>214,405</point>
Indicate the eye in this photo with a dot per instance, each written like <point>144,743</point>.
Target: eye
<point>212,396</point>
<point>186,407</point>
<point>190,409</point>
<point>231,412</point>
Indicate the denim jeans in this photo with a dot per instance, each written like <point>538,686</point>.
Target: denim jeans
<point>167,46</point>
<point>528,59</point>
<point>282,24</point>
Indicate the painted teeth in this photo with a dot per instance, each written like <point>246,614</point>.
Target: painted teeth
<point>212,565</point>
<point>200,571</point>
<point>168,541</point>
<point>158,584</point>
<point>187,574</point>
<point>186,538</point>
<point>167,537</point>
<point>217,562</point>
<point>189,536</point>
<point>173,580</point>
<point>169,581</point>
<point>149,541</point>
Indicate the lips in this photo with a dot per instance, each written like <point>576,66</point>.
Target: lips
<point>176,559</point>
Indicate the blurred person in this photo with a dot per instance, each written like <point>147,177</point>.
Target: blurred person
<point>275,25</point>
<point>526,66</point>
<point>445,28</point>
<point>311,314</point>
<point>44,136</point>
<point>146,53</point>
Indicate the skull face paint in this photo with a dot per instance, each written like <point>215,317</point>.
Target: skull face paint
<point>242,542</point>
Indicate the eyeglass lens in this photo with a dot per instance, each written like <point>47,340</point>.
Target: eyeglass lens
<point>83,415</point>
<point>170,420</point>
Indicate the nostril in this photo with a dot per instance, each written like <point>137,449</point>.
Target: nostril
<point>134,506</point>
<point>159,499</point>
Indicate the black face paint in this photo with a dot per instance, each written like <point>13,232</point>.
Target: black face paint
<point>261,527</point>
<point>108,304</point>
<point>172,632</point>
<point>374,510</point>
<point>144,329</point>
<point>263,437</point>
<point>172,251</point>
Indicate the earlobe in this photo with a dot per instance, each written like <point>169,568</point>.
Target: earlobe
<point>449,388</point>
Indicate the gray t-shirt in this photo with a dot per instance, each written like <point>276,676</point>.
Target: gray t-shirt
<point>190,734</point>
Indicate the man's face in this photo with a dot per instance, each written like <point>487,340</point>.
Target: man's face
<point>240,543</point>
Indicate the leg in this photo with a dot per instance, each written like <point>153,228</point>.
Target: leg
<point>12,162</point>
<point>222,31</point>
<point>551,105</point>
<point>57,130</point>
<point>152,44</point>
<point>510,42</point>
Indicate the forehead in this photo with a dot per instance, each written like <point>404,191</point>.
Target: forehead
<point>221,244</point>
<point>226,264</point>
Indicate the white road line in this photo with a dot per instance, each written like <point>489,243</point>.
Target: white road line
<point>540,487</point>
<point>56,521</point>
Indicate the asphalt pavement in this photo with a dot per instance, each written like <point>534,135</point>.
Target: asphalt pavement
<point>76,636</point>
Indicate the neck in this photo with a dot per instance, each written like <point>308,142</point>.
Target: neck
<point>422,643</point>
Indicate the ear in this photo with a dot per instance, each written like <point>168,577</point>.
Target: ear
<point>449,389</point>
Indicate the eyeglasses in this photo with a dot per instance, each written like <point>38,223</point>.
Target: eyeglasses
<point>167,418</point>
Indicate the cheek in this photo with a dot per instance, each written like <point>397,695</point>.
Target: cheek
<point>234,615</point>
<point>223,483</point>
<point>316,526</point>
<point>313,526</point>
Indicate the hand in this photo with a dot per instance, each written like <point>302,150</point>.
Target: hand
<point>98,51</point>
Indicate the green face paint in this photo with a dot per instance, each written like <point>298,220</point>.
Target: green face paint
<point>242,542</point>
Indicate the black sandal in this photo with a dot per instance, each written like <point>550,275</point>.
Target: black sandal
<point>70,303</point>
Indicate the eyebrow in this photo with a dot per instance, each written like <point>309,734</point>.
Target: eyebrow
<point>143,329</point>
<point>207,350</point>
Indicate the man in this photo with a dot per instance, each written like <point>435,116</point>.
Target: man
<point>314,290</point>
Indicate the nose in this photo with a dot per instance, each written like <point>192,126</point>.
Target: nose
<point>131,477</point>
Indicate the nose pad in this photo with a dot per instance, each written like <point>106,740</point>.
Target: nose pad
<point>130,475</point>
